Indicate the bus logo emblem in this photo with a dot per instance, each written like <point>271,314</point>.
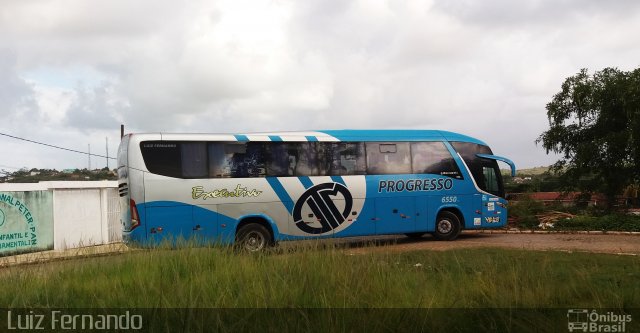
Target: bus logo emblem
<point>320,199</point>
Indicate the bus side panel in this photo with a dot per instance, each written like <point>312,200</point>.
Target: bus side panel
<point>411,202</point>
<point>361,224</point>
<point>275,213</point>
<point>205,218</point>
<point>324,206</point>
<point>168,221</point>
<point>395,214</point>
<point>431,205</point>
<point>470,210</point>
<point>425,222</point>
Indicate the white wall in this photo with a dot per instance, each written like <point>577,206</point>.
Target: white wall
<point>85,213</point>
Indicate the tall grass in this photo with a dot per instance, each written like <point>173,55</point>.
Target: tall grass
<point>319,287</point>
<point>327,276</point>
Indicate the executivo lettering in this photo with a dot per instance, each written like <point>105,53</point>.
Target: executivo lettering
<point>198,192</point>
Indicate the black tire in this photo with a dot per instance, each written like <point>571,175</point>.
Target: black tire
<point>448,226</point>
<point>415,235</point>
<point>253,237</point>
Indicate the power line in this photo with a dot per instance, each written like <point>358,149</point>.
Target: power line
<point>57,147</point>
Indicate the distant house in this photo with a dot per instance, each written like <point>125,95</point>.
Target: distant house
<point>521,180</point>
<point>68,171</point>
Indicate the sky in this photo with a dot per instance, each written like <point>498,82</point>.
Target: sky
<point>72,71</point>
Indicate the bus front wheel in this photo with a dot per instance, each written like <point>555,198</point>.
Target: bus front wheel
<point>447,226</point>
<point>253,237</point>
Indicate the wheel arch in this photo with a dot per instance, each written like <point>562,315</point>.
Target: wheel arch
<point>263,220</point>
<point>454,210</point>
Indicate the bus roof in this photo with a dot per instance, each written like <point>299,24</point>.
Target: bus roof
<point>325,135</point>
<point>399,135</point>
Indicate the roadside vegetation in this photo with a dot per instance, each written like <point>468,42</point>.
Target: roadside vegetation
<point>594,127</point>
<point>529,214</point>
<point>328,276</point>
<point>526,213</point>
<point>25,175</point>
<point>322,276</point>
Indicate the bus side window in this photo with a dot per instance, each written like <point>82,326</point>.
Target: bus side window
<point>280,160</point>
<point>308,163</point>
<point>323,162</point>
<point>219,162</point>
<point>388,158</point>
<point>194,159</point>
<point>236,159</point>
<point>254,160</point>
<point>347,158</point>
<point>433,158</point>
<point>490,179</point>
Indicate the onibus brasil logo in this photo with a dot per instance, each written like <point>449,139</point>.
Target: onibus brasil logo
<point>320,199</point>
<point>581,320</point>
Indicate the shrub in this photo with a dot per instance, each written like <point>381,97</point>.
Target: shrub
<point>612,222</point>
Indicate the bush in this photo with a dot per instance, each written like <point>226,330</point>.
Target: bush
<point>525,207</point>
<point>612,222</point>
<point>524,211</point>
<point>590,219</point>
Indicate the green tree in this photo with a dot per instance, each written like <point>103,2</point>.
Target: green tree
<point>595,125</point>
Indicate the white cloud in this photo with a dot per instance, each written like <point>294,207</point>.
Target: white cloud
<point>74,69</point>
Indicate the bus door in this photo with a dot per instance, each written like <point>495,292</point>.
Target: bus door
<point>395,215</point>
<point>493,210</point>
<point>423,222</point>
<point>494,206</point>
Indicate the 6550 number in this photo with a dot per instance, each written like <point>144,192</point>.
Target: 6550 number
<point>449,199</point>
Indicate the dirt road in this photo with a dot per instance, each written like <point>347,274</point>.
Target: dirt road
<point>598,243</point>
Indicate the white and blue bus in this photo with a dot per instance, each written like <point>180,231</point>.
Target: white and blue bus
<point>257,189</point>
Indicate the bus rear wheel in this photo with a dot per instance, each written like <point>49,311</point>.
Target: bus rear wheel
<point>447,226</point>
<point>253,237</point>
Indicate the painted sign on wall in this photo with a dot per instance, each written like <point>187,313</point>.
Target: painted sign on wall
<point>26,222</point>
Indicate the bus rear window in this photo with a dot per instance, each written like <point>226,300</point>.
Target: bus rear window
<point>162,157</point>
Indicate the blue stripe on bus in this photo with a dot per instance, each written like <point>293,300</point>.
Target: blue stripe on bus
<point>338,179</point>
<point>399,135</point>
<point>281,192</point>
<point>311,138</point>
<point>306,181</point>
<point>241,137</point>
<point>275,138</point>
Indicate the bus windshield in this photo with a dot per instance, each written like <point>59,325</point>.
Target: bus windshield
<point>484,171</point>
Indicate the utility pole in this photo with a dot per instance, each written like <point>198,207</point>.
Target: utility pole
<point>107,141</point>
<point>89,154</point>
<point>121,131</point>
